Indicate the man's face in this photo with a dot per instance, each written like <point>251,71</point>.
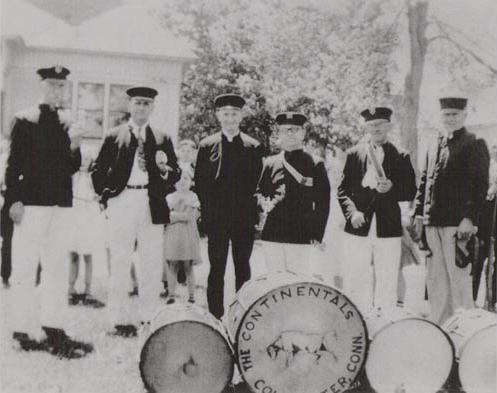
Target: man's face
<point>230,118</point>
<point>52,91</point>
<point>453,119</point>
<point>291,137</point>
<point>140,109</point>
<point>378,130</point>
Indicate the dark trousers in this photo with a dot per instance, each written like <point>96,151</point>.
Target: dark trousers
<point>7,230</point>
<point>242,242</point>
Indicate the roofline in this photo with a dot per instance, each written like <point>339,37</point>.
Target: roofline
<point>20,40</point>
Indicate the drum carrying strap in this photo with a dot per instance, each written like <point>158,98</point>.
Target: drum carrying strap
<point>303,180</point>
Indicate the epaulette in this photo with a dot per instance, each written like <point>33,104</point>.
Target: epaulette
<point>248,139</point>
<point>31,114</point>
<point>316,159</point>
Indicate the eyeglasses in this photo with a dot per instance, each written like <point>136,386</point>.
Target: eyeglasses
<point>289,130</point>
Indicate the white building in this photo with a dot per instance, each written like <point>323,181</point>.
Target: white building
<point>108,46</point>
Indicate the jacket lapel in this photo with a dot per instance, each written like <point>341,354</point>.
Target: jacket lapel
<point>150,144</point>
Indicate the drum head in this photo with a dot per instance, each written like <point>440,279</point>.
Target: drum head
<point>478,363</point>
<point>299,338</point>
<point>186,357</point>
<point>411,355</point>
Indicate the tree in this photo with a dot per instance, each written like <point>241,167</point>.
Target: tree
<point>451,50</point>
<point>285,57</point>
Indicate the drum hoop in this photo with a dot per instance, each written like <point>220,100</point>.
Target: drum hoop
<point>468,339</point>
<point>445,334</point>
<point>361,370</point>
<point>457,354</point>
<point>141,364</point>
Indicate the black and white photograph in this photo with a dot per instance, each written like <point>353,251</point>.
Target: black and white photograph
<point>248,196</point>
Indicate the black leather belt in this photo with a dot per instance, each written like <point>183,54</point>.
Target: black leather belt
<point>130,187</point>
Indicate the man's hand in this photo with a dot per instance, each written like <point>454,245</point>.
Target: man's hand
<point>161,161</point>
<point>357,220</point>
<point>16,212</point>
<point>384,185</point>
<point>418,226</point>
<point>406,220</point>
<point>465,229</point>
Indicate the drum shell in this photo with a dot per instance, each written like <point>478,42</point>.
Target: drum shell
<point>381,324</point>
<point>465,324</point>
<point>474,333</point>
<point>253,290</point>
<point>280,329</point>
<point>169,316</point>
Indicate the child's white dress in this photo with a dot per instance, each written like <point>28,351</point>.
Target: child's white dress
<point>181,239</point>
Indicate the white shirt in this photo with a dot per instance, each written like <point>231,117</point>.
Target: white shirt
<point>137,176</point>
<point>229,136</point>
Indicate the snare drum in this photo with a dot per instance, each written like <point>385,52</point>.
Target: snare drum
<point>474,334</point>
<point>407,353</point>
<point>293,333</point>
<point>187,351</point>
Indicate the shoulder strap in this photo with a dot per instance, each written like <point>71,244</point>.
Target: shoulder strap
<point>305,181</point>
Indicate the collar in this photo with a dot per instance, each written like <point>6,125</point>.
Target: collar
<point>230,138</point>
<point>454,134</point>
<point>135,127</point>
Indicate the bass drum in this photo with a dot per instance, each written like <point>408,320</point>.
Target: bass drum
<point>474,334</point>
<point>407,353</point>
<point>186,352</point>
<point>293,333</point>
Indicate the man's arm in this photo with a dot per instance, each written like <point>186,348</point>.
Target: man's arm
<point>343,192</point>
<point>103,165</point>
<point>419,200</point>
<point>404,186</point>
<point>15,163</point>
<point>321,189</point>
<point>173,175</point>
<point>479,162</point>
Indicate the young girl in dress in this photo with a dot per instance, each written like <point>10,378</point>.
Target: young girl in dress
<point>181,237</point>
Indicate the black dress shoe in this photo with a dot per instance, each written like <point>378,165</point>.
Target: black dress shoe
<point>164,294</point>
<point>73,299</point>
<point>124,331</point>
<point>63,346</point>
<point>90,301</point>
<point>134,292</point>
<point>28,344</point>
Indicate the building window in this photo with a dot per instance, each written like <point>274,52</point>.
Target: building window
<point>99,106</point>
<point>118,105</point>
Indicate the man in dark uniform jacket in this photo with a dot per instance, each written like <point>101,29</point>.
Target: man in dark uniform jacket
<point>6,232</point>
<point>452,190</point>
<point>133,172</point>
<point>294,194</point>
<point>44,153</point>
<point>228,167</point>
<point>376,177</point>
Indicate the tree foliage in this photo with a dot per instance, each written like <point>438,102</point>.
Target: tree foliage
<point>285,56</point>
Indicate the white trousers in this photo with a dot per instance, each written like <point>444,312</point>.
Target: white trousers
<point>130,222</point>
<point>40,238</point>
<point>449,287</point>
<point>370,270</point>
<point>298,258</point>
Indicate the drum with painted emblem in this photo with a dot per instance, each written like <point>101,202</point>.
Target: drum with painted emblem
<point>187,352</point>
<point>294,333</point>
<point>474,334</point>
<point>407,353</point>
